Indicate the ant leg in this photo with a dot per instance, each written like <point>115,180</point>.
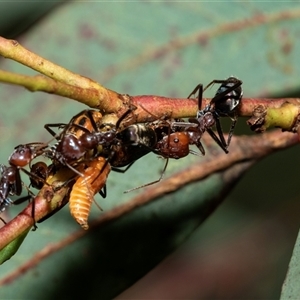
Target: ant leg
<point>127,112</point>
<point>220,132</point>
<point>226,91</point>
<point>56,125</point>
<point>230,133</point>
<point>153,182</point>
<point>94,125</point>
<point>36,177</point>
<point>199,89</point>
<point>62,204</point>
<point>218,81</point>
<point>21,200</point>
<point>102,192</point>
<point>33,215</point>
<point>228,80</point>
<point>217,140</point>
<point>17,183</point>
<point>29,197</point>
<point>200,147</point>
<point>122,170</point>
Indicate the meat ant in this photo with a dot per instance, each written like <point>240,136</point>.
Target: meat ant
<point>83,135</point>
<point>130,144</point>
<point>120,147</point>
<point>166,142</point>
<point>224,103</point>
<point>10,182</point>
<point>73,143</point>
<point>41,171</point>
<point>83,143</point>
<point>175,142</point>
<point>82,140</point>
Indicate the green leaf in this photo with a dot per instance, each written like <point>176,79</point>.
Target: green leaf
<point>291,288</point>
<point>7,252</point>
<point>148,48</point>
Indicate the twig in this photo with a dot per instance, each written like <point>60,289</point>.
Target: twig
<point>97,95</point>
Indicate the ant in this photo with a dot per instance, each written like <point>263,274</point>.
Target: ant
<point>73,142</point>
<point>41,171</point>
<point>172,141</point>
<point>175,143</point>
<point>130,144</point>
<point>10,182</point>
<point>83,135</point>
<point>118,148</point>
<point>224,103</point>
<point>166,142</point>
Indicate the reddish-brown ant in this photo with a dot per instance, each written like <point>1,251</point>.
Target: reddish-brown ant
<point>166,142</point>
<point>72,145</point>
<point>10,182</point>
<point>174,143</point>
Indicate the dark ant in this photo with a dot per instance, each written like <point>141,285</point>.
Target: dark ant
<point>224,103</point>
<point>165,142</point>
<point>10,182</point>
<point>82,140</point>
<point>83,143</point>
<point>175,142</point>
<point>130,144</point>
<point>83,135</point>
<point>73,142</point>
<point>41,171</point>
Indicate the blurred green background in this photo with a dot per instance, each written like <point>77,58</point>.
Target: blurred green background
<point>242,251</point>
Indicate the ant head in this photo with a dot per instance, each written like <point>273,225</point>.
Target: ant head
<point>89,141</point>
<point>21,156</point>
<point>69,148</point>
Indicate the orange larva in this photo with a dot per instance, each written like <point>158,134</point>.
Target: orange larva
<point>83,191</point>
